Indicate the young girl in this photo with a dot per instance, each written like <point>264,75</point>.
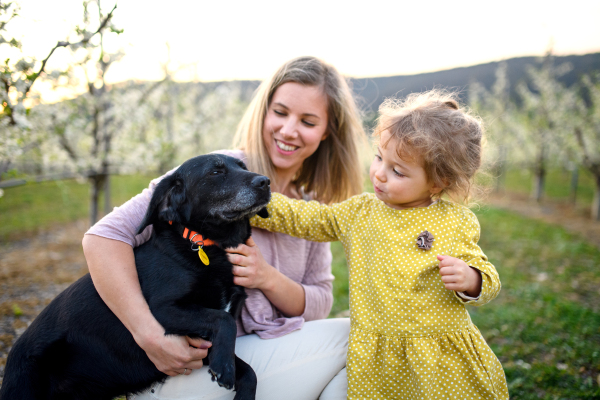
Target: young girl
<point>413,258</point>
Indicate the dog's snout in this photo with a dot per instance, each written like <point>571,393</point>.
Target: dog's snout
<point>261,182</point>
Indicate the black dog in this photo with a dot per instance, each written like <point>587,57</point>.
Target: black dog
<point>78,349</point>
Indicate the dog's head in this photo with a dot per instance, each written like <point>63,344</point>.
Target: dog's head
<point>212,188</point>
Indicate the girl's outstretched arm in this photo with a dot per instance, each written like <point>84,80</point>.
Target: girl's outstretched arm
<point>309,220</point>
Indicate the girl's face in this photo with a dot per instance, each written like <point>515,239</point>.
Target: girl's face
<point>399,183</point>
<point>295,125</point>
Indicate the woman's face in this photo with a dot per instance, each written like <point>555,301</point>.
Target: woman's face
<point>295,125</point>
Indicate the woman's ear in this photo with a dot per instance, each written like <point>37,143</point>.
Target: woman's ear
<point>168,203</point>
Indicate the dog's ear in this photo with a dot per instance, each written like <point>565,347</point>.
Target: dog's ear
<point>263,213</point>
<point>168,203</point>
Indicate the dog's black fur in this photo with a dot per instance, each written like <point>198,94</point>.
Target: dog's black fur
<point>78,349</point>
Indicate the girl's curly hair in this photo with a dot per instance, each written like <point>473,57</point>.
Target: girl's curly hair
<point>432,129</point>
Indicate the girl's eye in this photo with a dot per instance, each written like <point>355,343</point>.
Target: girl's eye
<point>378,157</point>
<point>308,123</point>
<point>398,173</point>
<point>279,112</point>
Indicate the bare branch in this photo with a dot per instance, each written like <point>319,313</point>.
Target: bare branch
<point>85,40</point>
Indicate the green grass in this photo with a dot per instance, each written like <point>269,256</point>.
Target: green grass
<point>545,324</point>
<point>558,184</point>
<point>36,206</point>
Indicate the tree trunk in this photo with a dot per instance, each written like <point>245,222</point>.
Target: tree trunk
<point>539,174</point>
<point>539,181</point>
<point>94,194</point>
<point>107,204</point>
<point>596,202</point>
<point>500,170</point>
<point>574,184</point>
<point>4,167</point>
<point>96,185</point>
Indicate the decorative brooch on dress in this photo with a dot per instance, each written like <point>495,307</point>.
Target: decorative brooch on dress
<point>425,240</point>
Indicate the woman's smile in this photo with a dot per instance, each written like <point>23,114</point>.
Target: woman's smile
<point>284,147</point>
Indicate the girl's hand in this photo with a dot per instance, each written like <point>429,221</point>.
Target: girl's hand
<point>458,276</point>
<point>250,269</point>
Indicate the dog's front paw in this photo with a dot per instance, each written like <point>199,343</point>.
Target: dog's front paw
<point>223,373</point>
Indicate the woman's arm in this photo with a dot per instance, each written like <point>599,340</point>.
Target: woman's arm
<point>112,267</point>
<point>108,248</point>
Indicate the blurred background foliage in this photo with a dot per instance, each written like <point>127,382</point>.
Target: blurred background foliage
<point>75,159</point>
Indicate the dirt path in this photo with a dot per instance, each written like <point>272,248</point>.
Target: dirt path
<point>573,220</point>
<point>35,269</point>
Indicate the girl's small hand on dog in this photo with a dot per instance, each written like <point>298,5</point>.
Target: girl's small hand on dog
<point>250,269</point>
<point>458,276</point>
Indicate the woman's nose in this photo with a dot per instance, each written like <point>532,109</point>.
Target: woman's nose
<point>288,129</point>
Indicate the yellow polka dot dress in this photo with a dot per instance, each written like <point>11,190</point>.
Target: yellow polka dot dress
<point>410,337</point>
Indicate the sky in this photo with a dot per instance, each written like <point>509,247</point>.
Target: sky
<point>227,40</point>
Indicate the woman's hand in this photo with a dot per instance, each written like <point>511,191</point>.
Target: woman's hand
<point>112,267</point>
<point>250,269</point>
<point>458,276</point>
<point>174,355</point>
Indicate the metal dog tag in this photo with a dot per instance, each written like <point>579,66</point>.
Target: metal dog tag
<point>203,256</point>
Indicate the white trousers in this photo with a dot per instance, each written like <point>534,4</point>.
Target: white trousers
<point>307,364</point>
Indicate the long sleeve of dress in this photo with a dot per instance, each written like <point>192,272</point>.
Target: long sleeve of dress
<point>308,220</point>
<point>467,250</point>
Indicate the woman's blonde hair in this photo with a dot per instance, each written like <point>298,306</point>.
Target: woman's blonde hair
<point>432,129</point>
<point>334,171</point>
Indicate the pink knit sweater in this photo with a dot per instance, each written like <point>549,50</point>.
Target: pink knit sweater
<point>307,263</point>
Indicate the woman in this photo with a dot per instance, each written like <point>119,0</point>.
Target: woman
<point>303,131</point>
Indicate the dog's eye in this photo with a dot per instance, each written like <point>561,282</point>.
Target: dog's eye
<point>216,172</point>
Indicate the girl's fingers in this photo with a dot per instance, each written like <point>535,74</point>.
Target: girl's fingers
<point>447,271</point>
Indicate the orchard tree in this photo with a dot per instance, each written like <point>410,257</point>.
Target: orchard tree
<point>498,111</point>
<point>544,115</point>
<point>18,73</point>
<point>587,133</point>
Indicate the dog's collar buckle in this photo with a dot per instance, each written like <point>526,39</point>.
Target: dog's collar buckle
<point>197,243</point>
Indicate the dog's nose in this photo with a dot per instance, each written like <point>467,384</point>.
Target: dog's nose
<point>261,182</point>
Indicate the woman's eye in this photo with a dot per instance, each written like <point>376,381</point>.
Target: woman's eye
<point>279,113</point>
<point>308,123</point>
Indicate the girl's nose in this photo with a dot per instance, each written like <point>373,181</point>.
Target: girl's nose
<point>380,173</point>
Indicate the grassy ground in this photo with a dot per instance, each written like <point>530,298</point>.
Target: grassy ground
<point>38,206</point>
<point>545,324</point>
<point>558,184</point>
